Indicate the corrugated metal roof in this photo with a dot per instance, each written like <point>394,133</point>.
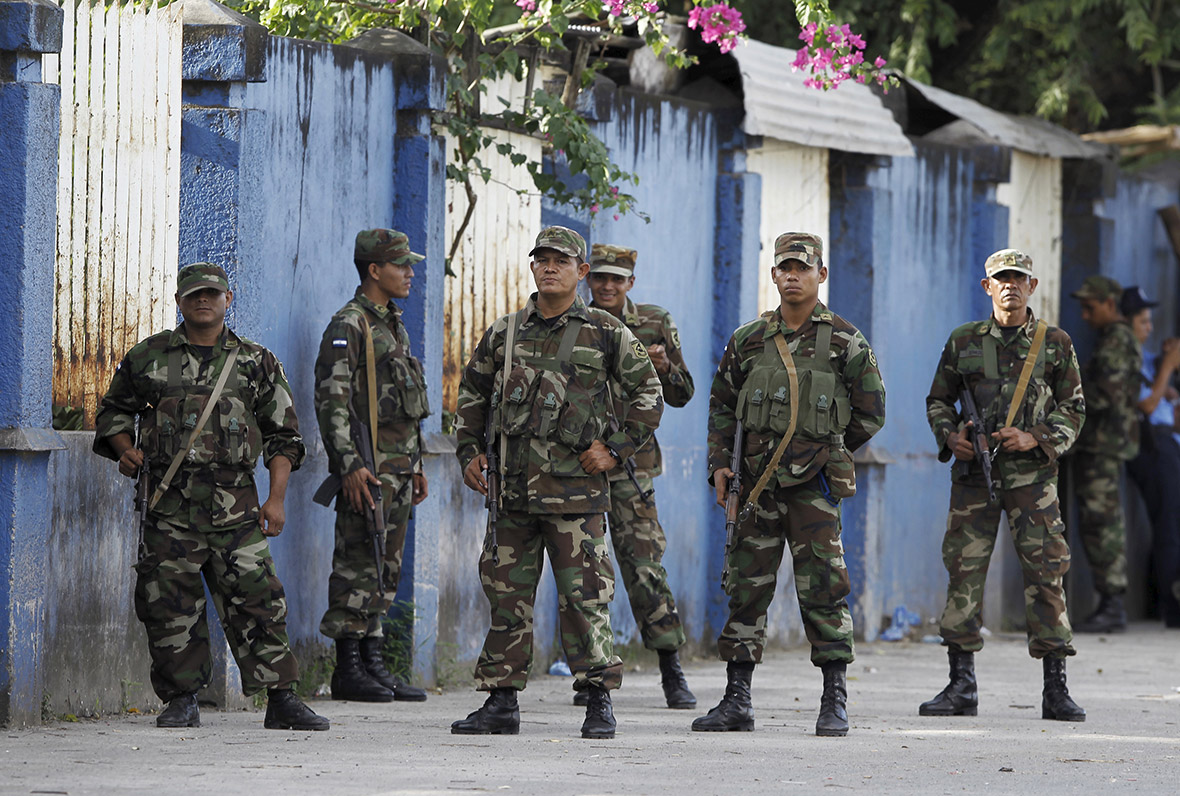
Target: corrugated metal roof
<point>1028,134</point>
<point>778,105</point>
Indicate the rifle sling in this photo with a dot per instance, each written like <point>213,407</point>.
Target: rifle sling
<point>371,374</point>
<point>793,383</point>
<point>166,481</point>
<point>1030,362</point>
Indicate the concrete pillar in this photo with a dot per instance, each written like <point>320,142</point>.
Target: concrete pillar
<point>222,52</point>
<point>735,296</point>
<point>30,118</point>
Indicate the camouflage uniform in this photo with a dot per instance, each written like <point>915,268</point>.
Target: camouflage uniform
<point>842,405</point>
<point>1109,438</point>
<point>635,531</point>
<point>207,522</point>
<point>355,606</point>
<point>551,412</point>
<point>980,357</point>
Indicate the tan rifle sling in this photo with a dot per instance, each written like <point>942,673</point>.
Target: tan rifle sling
<point>1026,372</point>
<point>793,385</point>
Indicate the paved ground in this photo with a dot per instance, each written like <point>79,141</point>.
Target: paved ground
<point>1129,684</point>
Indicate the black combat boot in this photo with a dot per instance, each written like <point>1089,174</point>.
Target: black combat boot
<point>581,698</point>
<point>734,712</point>
<point>500,715</point>
<point>375,667</point>
<point>1055,700</point>
<point>285,711</point>
<point>676,692</point>
<point>350,680</point>
<point>600,719</point>
<point>1110,617</point>
<point>833,717</point>
<point>182,711</point>
<point>961,696</point>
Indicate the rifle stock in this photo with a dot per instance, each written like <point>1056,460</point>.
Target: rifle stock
<point>978,434</point>
<point>733,495</point>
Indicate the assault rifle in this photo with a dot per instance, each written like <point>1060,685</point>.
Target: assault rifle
<point>978,433</point>
<point>733,495</point>
<point>143,497</point>
<point>374,517</point>
<point>629,468</point>
<point>492,452</point>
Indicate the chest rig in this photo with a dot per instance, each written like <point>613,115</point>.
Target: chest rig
<point>1023,402</point>
<point>823,408</point>
<point>400,383</point>
<point>559,399</point>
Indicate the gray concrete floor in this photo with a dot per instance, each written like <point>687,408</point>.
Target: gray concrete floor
<point>1130,743</point>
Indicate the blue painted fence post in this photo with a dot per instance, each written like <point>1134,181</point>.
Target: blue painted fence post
<point>222,51</point>
<point>30,115</point>
<point>860,229</point>
<point>419,211</point>
<point>735,293</point>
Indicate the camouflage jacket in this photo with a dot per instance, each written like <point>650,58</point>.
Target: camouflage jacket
<point>1053,409</point>
<point>834,419</point>
<point>653,325</point>
<point>551,413</point>
<point>254,414</point>
<point>342,388</point>
<point>1111,382</point>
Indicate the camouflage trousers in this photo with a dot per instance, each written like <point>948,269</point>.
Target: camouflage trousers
<point>585,577</point>
<point>799,517</point>
<point>355,605</point>
<point>639,544</point>
<point>1034,520</point>
<point>1100,519</point>
<point>170,601</point>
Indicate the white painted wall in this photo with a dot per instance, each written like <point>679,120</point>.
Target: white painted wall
<point>1033,197</point>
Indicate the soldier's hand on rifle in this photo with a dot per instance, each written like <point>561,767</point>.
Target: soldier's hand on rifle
<point>960,443</point>
<point>721,478</point>
<point>420,490</point>
<point>473,474</point>
<point>356,489</point>
<point>130,462</point>
<point>273,517</point>
<point>1013,439</point>
<point>659,358</point>
<point>597,458</point>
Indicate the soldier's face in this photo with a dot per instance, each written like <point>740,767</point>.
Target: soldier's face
<point>1009,290</point>
<point>557,274</point>
<point>610,290</point>
<point>798,282</point>
<point>1141,325</point>
<point>1099,314</point>
<point>204,308</point>
<point>394,280</point>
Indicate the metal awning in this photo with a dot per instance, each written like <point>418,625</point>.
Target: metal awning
<point>980,124</point>
<point>778,105</point>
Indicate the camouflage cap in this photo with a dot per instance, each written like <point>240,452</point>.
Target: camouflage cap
<point>1099,288</point>
<point>608,259</point>
<point>198,276</point>
<point>384,246</point>
<point>801,246</point>
<point>1008,260</point>
<point>562,239</point>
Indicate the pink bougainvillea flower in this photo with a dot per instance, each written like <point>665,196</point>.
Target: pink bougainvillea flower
<point>527,5</point>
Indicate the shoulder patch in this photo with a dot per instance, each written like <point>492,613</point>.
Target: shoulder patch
<point>674,338</point>
<point>638,349</point>
<point>872,358</point>
<point>339,342</point>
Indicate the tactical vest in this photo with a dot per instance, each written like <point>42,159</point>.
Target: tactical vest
<point>561,400</point>
<point>825,408</point>
<point>231,437</point>
<point>993,392</point>
<point>401,384</point>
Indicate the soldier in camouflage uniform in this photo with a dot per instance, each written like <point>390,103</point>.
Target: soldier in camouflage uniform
<point>356,604</point>
<point>635,531</point>
<point>987,358</point>
<point>548,397</point>
<point>803,374</point>
<point>1108,440</point>
<point>203,513</point>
